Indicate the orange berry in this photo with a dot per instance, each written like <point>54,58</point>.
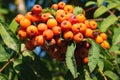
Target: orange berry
<point>68,15</point>
<point>66,25</point>
<point>68,9</point>
<point>82,27</point>
<point>61,17</point>
<point>81,18</point>
<point>85,60</point>
<point>48,34</point>
<point>29,45</point>
<point>89,33</point>
<point>87,23</point>
<point>32,30</point>
<point>38,40</point>
<point>51,23</point>
<point>105,44</point>
<point>75,28</point>
<point>59,11</point>
<point>32,17</point>
<point>36,18</point>
<point>99,39</point>
<point>55,7</point>
<point>78,37</point>
<point>19,17</point>
<point>45,17</point>
<point>29,15</point>
<point>42,27</point>
<point>61,5</point>
<point>60,42</point>
<point>93,24</point>
<point>24,23</point>
<point>103,35</point>
<point>57,30</point>
<point>22,34</point>
<point>68,35</point>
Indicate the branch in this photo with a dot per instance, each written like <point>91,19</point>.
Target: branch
<point>97,19</point>
<point>102,74</point>
<point>11,60</point>
<point>89,9</point>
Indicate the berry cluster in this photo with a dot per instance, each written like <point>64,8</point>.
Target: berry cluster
<point>54,32</point>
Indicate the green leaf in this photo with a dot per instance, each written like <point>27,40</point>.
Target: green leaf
<point>116,36</point>
<point>93,56</point>
<point>16,65</point>
<point>70,60</point>
<point>13,26</point>
<point>108,22</point>
<point>101,10</point>
<point>68,76</point>
<point>111,75</point>
<point>87,75</point>
<point>105,53</point>
<point>101,64</point>
<point>3,77</point>
<point>78,10</point>
<point>108,65</point>
<point>99,2</point>
<point>90,3</point>
<point>113,5</point>
<point>4,56</point>
<point>8,40</point>
<point>3,11</point>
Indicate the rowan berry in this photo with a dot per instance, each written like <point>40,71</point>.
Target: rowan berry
<point>51,23</point>
<point>48,34</point>
<point>24,23</point>
<point>68,35</point>
<point>78,37</point>
<point>37,9</point>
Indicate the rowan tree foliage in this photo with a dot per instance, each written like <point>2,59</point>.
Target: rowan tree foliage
<point>85,45</point>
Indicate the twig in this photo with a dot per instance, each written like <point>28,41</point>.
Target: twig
<point>102,74</point>
<point>11,60</point>
<point>111,13</point>
<point>89,9</point>
<point>98,19</point>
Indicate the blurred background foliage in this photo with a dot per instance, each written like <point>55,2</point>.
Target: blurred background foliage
<point>40,66</point>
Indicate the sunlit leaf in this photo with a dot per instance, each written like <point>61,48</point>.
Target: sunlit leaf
<point>116,36</point>
<point>113,5</point>
<point>4,56</point>
<point>101,10</point>
<point>90,3</point>
<point>70,60</point>
<point>101,64</point>
<point>13,26</point>
<point>111,75</point>
<point>108,22</point>
<point>99,2</point>
<point>8,40</point>
<point>93,55</point>
<point>87,75</point>
<point>3,77</point>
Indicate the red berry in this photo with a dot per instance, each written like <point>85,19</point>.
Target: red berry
<point>37,9</point>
